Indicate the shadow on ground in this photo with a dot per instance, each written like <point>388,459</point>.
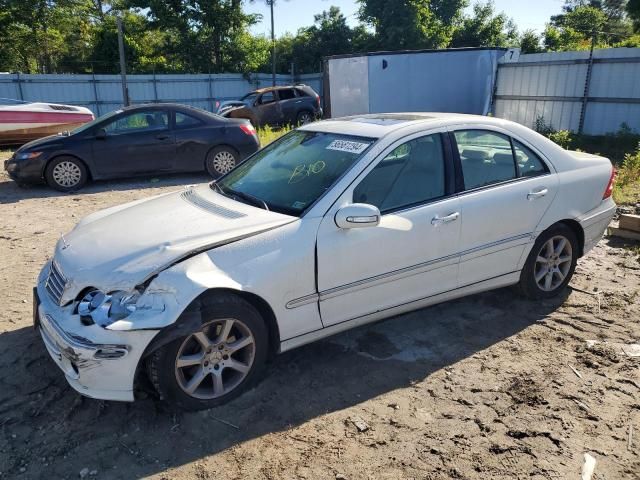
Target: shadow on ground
<point>123,440</point>
<point>11,192</point>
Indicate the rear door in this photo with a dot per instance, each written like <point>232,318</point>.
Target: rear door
<point>289,103</point>
<point>135,142</point>
<point>507,189</point>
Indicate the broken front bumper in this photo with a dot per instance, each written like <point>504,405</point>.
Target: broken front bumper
<point>97,362</point>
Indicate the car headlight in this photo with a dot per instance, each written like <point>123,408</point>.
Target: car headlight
<point>106,308</point>
<point>27,155</point>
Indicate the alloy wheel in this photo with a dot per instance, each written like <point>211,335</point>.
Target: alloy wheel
<point>67,174</point>
<point>215,360</point>
<point>304,118</point>
<point>553,263</point>
<point>224,162</point>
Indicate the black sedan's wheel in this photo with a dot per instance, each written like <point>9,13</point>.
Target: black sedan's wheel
<point>216,362</point>
<point>221,160</point>
<point>304,117</point>
<point>550,264</point>
<point>66,174</point>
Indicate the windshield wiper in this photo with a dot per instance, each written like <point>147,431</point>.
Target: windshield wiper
<point>249,197</point>
<point>227,192</point>
<point>218,188</point>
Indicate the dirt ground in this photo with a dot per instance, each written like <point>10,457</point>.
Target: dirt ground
<point>491,386</point>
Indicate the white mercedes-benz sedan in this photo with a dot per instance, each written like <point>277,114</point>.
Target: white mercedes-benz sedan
<point>336,224</point>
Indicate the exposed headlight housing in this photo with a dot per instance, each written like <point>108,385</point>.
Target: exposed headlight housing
<point>104,309</point>
<point>27,155</point>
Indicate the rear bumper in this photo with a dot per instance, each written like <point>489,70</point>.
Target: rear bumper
<point>595,222</point>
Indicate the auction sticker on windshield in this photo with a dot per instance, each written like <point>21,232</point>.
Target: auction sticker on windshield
<point>347,146</point>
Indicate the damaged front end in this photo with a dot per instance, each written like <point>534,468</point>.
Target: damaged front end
<point>96,361</point>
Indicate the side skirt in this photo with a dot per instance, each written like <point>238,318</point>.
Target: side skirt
<point>491,284</point>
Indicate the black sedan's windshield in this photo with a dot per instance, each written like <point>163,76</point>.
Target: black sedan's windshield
<point>294,171</point>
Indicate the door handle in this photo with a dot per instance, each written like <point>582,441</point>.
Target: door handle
<point>435,221</point>
<point>537,194</point>
<point>162,137</point>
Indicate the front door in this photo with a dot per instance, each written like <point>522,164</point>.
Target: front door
<point>136,142</point>
<point>411,254</point>
<point>268,109</point>
<point>507,190</point>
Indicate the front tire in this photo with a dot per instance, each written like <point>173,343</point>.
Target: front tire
<point>550,264</point>
<point>66,174</point>
<point>221,160</point>
<point>216,362</point>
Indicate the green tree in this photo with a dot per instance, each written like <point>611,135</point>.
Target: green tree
<point>205,33</point>
<point>633,11</point>
<point>613,27</point>
<point>38,34</point>
<point>411,24</point>
<point>530,42</point>
<point>485,28</point>
<point>575,29</point>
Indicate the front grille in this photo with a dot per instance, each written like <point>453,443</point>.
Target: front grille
<point>56,283</point>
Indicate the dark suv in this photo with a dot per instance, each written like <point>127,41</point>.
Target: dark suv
<point>295,105</point>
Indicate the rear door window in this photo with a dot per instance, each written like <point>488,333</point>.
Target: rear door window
<point>286,94</point>
<point>529,164</point>
<point>486,157</point>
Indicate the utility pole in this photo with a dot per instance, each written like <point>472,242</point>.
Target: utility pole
<point>587,83</point>
<point>123,71</point>
<point>273,46</point>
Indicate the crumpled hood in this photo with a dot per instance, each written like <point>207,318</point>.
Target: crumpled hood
<point>122,246</point>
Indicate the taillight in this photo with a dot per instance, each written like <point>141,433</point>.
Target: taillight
<point>318,100</point>
<point>248,128</point>
<point>612,180</point>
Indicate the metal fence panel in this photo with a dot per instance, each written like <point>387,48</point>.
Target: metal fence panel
<point>103,93</point>
<point>554,86</point>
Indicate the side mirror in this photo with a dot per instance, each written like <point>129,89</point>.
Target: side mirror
<point>358,215</point>
<point>101,134</point>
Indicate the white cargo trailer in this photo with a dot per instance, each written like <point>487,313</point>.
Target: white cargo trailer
<point>454,80</point>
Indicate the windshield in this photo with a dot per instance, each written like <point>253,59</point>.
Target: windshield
<point>294,171</point>
<point>92,123</point>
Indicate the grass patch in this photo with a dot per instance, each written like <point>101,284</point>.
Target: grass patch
<point>627,187</point>
<point>268,134</point>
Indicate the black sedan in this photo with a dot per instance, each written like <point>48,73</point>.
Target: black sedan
<point>139,140</point>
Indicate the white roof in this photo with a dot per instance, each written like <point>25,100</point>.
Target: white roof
<point>378,125</point>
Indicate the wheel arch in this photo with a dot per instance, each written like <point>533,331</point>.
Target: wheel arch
<point>65,154</point>
<point>191,317</point>
<point>577,230</point>
<point>218,145</point>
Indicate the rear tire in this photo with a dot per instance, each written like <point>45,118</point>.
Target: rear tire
<point>221,160</point>
<point>215,363</point>
<point>304,117</point>
<point>550,264</point>
<point>66,174</point>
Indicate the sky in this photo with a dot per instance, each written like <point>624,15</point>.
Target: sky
<point>292,14</point>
